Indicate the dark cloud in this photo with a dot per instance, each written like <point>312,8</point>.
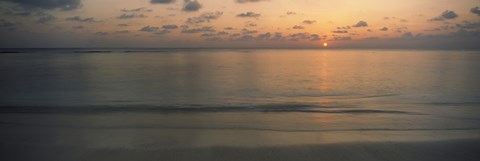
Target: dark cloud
<point>446,15</point>
<point>340,31</point>
<point>344,28</point>
<point>277,36</point>
<point>198,30</point>
<point>191,6</point>
<point>80,27</point>
<point>141,9</point>
<point>298,27</point>
<point>121,32</point>
<point>384,29</point>
<point>169,27</point>
<point>228,28</point>
<point>131,15</point>
<point>23,13</point>
<point>46,19</point>
<point>122,25</point>
<point>248,32</point>
<point>48,4</point>
<point>407,35</point>
<point>79,19</point>
<point>315,37</point>
<point>204,17</point>
<point>291,13</point>
<point>222,33</point>
<point>101,33</point>
<point>214,39</point>
<point>469,25</point>
<point>265,36</point>
<point>134,13</point>
<point>149,29</point>
<point>309,22</point>
<point>475,10</point>
<point>4,24</point>
<point>342,38</point>
<point>162,32</point>
<point>246,38</point>
<point>248,14</point>
<point>250,24</point>
<point>161,1</point>
<point>361,24</point>
<point>208,35</point>
<point>298,36</point>
<point>246,1</point>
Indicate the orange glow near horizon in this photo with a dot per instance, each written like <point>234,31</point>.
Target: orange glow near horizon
<point>325,44</point>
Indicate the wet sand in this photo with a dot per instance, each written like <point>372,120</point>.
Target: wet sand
<point>219,136</point>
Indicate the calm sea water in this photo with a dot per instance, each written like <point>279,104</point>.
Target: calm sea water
<point>253,89</point>
<point>266,80</point>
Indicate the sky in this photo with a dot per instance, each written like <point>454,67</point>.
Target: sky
<point>435,24</point>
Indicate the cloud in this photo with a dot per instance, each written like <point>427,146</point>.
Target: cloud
<point>134,13</point>
<point>149,29</point>
<point>79,19</point>
<point>198,30</point>
<point>344,28</point>
<point>131,15</point>
<point>361,24</point>
<point>7,24</point>
<point>446,15</point>
<point>204,17</point>
<point>121,32</point>
<point>475,10</point>
<point>246,1</point>
<point>265,36</point>
<point>469,25</point>
<point>79,27</point>
<point>309,22</point>
<point>291,13</point>
<point>228,28</point>
<point>191,6</point>
<point>48,4</point>
<point>122,25</point>
<point>162,32</point>
<point>161,1</point>
<point>46,19</point>
<point>315,37</point>
<point>298,27</point>
<point>384,29</point>
<point>169,27</point>
<point>342,38</point>
<point>340,31</point>
<point>141,9</point>
<point>248,14</point>
<point>222,33</point>
<point>101,33</point>
<point>250,24</point>
<point>248,32</point>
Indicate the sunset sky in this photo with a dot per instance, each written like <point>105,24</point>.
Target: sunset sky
<point>240,23</point>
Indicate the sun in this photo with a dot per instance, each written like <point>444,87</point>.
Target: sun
<point>325,44</point>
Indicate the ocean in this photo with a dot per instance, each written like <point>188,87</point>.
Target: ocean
<point>337,89</point>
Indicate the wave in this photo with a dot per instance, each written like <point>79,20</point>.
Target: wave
<point>270,108</point>
<point>94,51</point>
<point>172,127</point>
